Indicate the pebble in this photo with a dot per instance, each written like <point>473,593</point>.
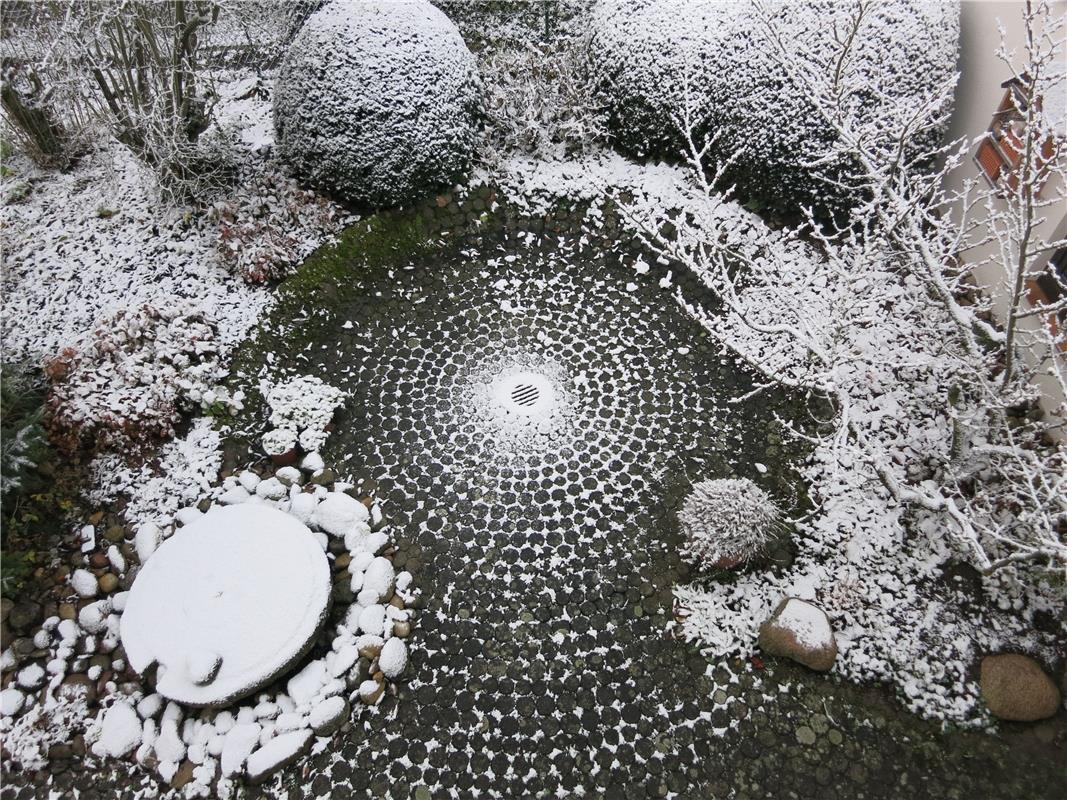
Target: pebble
<point>108,582</point>
<point>115,533</point>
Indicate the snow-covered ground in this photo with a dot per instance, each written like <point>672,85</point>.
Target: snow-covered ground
<point>90,242</point>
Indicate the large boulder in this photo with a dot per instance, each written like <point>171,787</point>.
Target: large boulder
<point>376,101</point>
<point>1015,688</point>
<point>647,55</point>
<point>800,631</point>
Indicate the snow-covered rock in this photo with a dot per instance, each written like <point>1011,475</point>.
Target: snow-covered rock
<point>370,691</point>
<point>11,702</point>
<point>378,580</point>
<point>393,659</point>
<point>146,540</point>
<point>120,731</point>
<point>93,617</point>
<point>278,753</point>
<point>84,583</point>
<point>303,686</point>
<point>248,585</point>
<point>31,676</point>
<point>648,53</point>
<point>238,743</point>
<point>302,506</point>
<point>376,100</point>
<point>271,489</point>
<point>312,463</point>
<point>800,631</point>
<point>340,514</point>
<point>328,716</point>
<point>372,620</point>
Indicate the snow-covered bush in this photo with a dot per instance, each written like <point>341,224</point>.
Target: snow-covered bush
<point>538,101</point>
<point>727,522</point>
<point>128,381</point>
<point>268,226</point>
<point>658,61</point>
<point>376,101</point>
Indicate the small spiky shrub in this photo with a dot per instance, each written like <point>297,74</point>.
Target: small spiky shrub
<point>727,522</point>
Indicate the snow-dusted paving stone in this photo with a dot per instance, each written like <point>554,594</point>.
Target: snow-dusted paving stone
<point>226,604</point>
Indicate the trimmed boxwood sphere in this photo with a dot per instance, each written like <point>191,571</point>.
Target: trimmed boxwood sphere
<point>646,53</point>
<point>376,101</point>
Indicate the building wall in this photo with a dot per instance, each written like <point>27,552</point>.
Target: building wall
<point>978,95</point>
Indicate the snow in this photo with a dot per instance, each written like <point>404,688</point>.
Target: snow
<point>185,472</point>
<point>653,59</point>
<point>116,559</point>
<point>326,711</point>
<point>237,745</point>
<point>31,677</point>
<point>378,579</point>
<point>66,267</point>
<point>807,622</point>
<point>277,752</point>
<point>303,686</point>
<point>84,583</point>
<point>372,620</point>
<point>11,702</point>
<point>394,658</point>
<point>120,731</point>
<point>303,405</point>
<point>339,514</point>
<point>879,578</point>
<point>255,602</point>
<point>312,463</point>
<point>93,617</point>
<point>376,100</point>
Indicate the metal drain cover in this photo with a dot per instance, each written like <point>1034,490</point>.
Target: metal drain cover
<point>524,393</point>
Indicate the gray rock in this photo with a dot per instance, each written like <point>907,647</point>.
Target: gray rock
<point>24,615</point>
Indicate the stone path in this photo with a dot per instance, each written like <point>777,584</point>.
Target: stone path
<point>542,664</point>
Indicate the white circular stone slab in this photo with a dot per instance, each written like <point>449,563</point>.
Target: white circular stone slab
<point>227,604</point>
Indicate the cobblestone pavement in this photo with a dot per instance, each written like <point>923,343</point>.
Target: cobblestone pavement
<point>545,546</point>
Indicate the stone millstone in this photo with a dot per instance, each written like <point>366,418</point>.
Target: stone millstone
<point>800,631</point>
<point>1015,688</point>
<point>227,604</point>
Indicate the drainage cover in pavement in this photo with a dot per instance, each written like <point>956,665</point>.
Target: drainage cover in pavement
<point>524,394</point>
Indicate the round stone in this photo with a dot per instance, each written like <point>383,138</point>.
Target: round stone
<point>227,604</point>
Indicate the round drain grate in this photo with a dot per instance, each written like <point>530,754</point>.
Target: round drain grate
<point>524,394</point>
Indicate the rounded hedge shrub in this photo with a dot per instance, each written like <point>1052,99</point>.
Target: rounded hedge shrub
<point>376,101</point>
<point>646,54</point>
